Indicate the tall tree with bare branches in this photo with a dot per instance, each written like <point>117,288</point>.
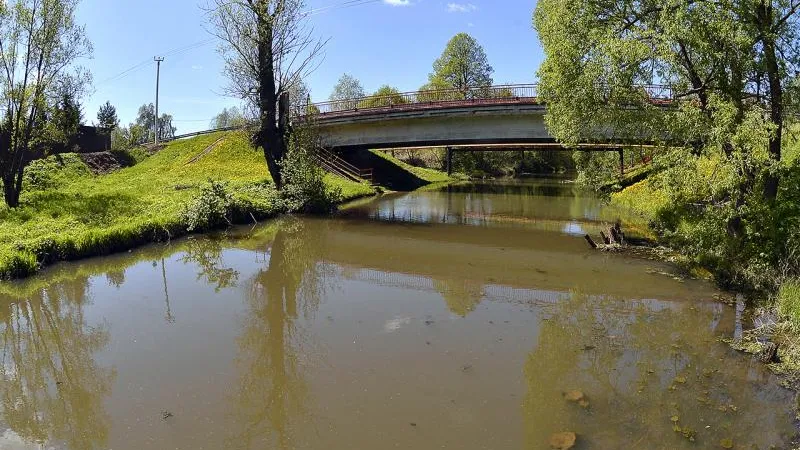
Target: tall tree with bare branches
<point>268,48</point>
<point>39,43</point>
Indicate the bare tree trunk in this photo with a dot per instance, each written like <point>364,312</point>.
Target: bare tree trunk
<point>270,137</point>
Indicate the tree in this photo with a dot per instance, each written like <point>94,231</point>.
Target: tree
<point>62,128</point>
<point>385,96</point>
<point>268,48</point>
<point>346,93</point>
<point>166,130</point>
<point>728,68</point>
<point>732,60</point>
<point>107,117</point>
<point>347,88</point>
<point>145,118</point>
<point>463,66</point>
<point>145,125</point>
<point>437,90</point>
<point>229,117</point>
<point>39,44</point>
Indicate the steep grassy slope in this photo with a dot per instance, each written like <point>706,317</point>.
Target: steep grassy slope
<point>67,212</point>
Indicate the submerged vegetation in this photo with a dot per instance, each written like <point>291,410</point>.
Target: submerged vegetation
<point>67,212</point>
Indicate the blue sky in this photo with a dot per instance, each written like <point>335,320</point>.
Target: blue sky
<point>380,42</point>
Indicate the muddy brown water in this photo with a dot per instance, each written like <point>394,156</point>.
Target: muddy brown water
<point>461,318</point>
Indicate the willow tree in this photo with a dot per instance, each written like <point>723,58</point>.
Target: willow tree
<point>39,43</point>
<point>729,66</point>
<point>732,60</point>
<point>268,48</point>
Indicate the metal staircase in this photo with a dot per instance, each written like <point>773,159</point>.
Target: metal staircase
<point>334,164</point>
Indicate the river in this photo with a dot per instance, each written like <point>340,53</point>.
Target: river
<point>469,317</point>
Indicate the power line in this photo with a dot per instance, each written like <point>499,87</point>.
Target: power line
<point>343,5</point>
<point>198,44</point>
<point>148,62</point>
<point>127,71</point>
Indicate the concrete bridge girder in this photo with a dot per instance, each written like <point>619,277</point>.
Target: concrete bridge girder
<point>453,126</point>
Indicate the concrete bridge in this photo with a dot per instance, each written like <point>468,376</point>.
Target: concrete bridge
<point>494,118</point>
<point>509,114</point>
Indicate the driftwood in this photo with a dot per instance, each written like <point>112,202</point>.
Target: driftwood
<point>769,354</point>
<point>612,239</point>
<point>617,234</point>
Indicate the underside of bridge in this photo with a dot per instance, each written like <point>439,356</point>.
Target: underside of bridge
<point>515,125</point>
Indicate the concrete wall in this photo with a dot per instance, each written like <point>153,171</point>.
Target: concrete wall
<point>463,125</point>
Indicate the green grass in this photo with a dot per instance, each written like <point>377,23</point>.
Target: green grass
<point>789,302</point>
<point>641,198</point>
<point>66,212</point>
<point>429,175</point>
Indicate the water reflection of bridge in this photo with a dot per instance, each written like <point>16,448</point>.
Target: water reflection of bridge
<point>423,283</point>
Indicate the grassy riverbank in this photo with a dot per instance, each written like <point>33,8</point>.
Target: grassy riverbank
<point>67,212</point>
<point>764,262</point>
<point>425,174</point>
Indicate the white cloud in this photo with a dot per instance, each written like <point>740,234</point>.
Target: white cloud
<point>197,67</point>
<point>461,7</point>
<point>470,24</point>
<point>398,2</point>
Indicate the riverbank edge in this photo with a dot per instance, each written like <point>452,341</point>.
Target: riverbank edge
<point>762,322</point>
<point>102,242</point>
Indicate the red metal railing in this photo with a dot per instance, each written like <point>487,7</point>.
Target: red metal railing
<point>441,97</point>
<point>503,94</point>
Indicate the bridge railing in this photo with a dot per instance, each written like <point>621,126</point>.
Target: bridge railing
<point>511,93</point>
<point>438,97</point>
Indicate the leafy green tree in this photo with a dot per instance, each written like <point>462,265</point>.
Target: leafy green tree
<point>66,117</point>
<point>145,122</point>
<point>437,90</point>
<point>229,117</point>
<point>463,66</point>
<point>385,96</point>
<point>40,34</point>
<point>107,117</point>
<point>730,68</point>
<point>347,92</point>
<point>734,59</point>
<point>347,88</point>
<point>145,118</point>
<point>166,130</point>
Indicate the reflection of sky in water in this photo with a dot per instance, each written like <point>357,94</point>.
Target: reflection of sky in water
<point>564,210</point>
<point>573,228</point>
<point>10,440</point>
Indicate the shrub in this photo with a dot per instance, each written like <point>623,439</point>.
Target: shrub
<point>304,189</point>
<point>211,209</point>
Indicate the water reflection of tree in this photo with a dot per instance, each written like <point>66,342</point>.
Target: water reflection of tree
<point>273,346</point>
<point>52,389</point>
<point>207,255</point>
<point>640,365</point>
<point>461,296</point>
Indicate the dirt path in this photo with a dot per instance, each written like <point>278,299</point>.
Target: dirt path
<point>206,151</point>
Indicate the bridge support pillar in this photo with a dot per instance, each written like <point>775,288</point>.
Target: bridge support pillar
<point>621,162</point>
<point>449,160</point>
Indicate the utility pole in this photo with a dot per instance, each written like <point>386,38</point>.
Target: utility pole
<point>158,60</point>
